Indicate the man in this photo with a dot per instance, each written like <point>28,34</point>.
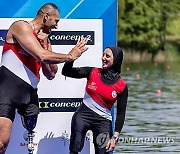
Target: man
<point>25,51</point>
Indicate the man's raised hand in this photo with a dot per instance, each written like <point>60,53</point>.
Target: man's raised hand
<point>79,48</point>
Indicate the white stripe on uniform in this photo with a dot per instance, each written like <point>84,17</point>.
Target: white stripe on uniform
<point>102,111</point>
<point>15,65</point>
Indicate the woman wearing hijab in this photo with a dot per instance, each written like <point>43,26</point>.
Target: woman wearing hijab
<point>104,87</point>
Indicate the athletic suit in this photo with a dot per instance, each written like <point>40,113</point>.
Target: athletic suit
<point>19,76</point>
<point>94,114</point>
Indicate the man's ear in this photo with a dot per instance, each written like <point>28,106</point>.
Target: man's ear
<point>46,16</point>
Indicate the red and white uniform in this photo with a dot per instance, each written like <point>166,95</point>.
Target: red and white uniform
<point>21,63</point>
<point>99,96</point>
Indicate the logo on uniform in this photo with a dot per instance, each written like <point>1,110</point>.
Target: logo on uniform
<point>114,94</point>
<point>92,86</point>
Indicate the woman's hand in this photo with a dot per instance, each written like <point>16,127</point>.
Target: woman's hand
<point>111,145</point>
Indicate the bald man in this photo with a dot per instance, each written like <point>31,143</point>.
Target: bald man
<point>26,50</point>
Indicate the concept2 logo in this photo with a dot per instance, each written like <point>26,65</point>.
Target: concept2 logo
<point>59,104</point>
<point>70,37</point>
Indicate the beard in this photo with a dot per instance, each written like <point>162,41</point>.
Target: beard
<point>47,30</point>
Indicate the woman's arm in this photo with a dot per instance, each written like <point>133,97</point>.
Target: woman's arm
<point>121,111</point>
<point>76,72</point>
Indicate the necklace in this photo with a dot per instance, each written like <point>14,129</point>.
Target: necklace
<point>33,26</point>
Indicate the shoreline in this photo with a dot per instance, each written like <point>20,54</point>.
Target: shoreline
<point>160,57</point>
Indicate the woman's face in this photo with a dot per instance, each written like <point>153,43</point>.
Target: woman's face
<point>107,58</point>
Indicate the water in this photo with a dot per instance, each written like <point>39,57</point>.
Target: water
<point>152,122</point>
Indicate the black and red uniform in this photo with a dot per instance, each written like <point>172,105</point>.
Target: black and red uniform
<point>95,112</point>
<point>19,77</point>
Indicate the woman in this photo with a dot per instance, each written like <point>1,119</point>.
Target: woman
<point>104,87</point>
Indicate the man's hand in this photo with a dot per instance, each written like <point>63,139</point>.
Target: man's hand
<point>79,48</point>
<point>49,70</point>
<point>43,39</point>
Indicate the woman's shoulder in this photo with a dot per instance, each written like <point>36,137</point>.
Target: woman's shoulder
<point>122,84</point>
<point>96,69</point>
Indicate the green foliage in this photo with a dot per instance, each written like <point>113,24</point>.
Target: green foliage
<point>172,52</point>
<point>173,28</point>
<point>142,24</point>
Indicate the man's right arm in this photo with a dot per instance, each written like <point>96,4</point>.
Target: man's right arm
<point>22,32</point>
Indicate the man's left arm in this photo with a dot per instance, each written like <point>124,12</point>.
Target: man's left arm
<point>49,70</point>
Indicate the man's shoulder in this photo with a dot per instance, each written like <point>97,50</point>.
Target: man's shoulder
<point>19,25</point>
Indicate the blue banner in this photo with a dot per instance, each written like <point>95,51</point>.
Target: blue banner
<point>2,36</point>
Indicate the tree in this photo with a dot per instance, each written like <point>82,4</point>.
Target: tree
<point>138,25</point>
<point>142,24</point>
<point>169,11</point>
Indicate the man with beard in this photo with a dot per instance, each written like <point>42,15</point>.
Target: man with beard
<point>25,51</point>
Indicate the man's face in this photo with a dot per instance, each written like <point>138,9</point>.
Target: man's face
<point>51,22</point>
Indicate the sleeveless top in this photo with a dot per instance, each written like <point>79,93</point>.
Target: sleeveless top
<point>21,63</point>
<point>100,97</point>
